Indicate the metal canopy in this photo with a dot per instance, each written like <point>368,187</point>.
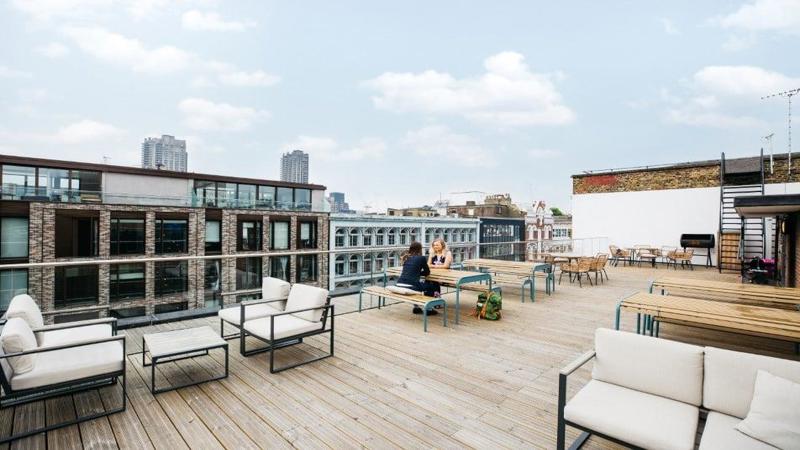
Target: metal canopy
<point>767,205</point>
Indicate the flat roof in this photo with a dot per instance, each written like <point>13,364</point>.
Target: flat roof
<point>76,165</point>
<point>767,205</point>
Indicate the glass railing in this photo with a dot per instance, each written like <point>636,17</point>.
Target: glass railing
<point>42,194</point>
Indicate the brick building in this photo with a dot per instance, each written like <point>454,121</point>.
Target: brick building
<point>151,223</point>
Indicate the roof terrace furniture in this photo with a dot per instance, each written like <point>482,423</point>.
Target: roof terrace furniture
<point>307,312</point>
<point>23,306</point>
<point>684,258</point>
<point>175,345</point>
<point>598,266</point>
<point>648,393</point>
<point>31,372</point>
<point>750,294</point>
<point>648,255</point>
<point>515,272</point>
<point>578,269</point>
<point>407,296</point>
<point>274,293</point>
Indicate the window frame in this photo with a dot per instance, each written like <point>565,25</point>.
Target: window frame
<point>159,240</point>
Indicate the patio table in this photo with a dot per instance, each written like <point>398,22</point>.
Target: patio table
<point>525,271</point>
<point>176,345</point>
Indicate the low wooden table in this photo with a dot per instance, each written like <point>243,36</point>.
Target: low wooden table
<point>724,291</point>
<point>175,345</point>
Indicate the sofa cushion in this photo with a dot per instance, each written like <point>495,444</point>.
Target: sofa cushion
<point>302,297</point>
<point>656,366</point>
<point>71,364</point>
<point>24,307</point>
<point>274,288</point>
<point>774,415</point>
<point>234,314</point>
<point>67,335</point>
<point>17,336</point>
<point>730,377</point>
<point>285,326</point>
<point>638,418</point>
<point>720,434</point>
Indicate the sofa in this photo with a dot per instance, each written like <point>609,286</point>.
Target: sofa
<point>651,393</point>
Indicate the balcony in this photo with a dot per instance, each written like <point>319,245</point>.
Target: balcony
<point>44,194</point>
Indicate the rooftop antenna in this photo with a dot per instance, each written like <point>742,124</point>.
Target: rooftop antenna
<point>105,159</point>
<point>768,138</point>
<point>788,94</point>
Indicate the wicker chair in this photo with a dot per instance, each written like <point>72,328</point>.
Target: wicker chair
<point>682,257</point>
<point>579,269</point>
<point>648,254</point>
<point>618,254</point>
<point>599,266</point>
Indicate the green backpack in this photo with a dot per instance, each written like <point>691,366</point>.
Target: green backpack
<point>489,306</point>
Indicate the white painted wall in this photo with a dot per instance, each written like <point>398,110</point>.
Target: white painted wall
<point>123,188</point>
<point>653,217</point>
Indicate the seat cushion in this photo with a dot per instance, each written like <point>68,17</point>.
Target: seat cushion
<point>638,418</point>
<point>17,336</point>
<point>774,415</point>
<point>730,378</point>
<point>720,434</point>
<point>24,307</point>
<point>401,290</point>
<point>302,297</point>
<point>274,288</point>
<point>71,364</point>
<point>234,314</point>
<point>66,336</point>
<point>656,366</point>
<point>285,326</point>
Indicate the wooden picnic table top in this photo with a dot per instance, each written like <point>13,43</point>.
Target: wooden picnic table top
<point>446,277</point>
<point>499,263</point>
<point>747,319</point>
<point>758,293</point>
<point>569,255</point>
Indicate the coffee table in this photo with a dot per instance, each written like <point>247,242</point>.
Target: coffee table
<point>168,346</point>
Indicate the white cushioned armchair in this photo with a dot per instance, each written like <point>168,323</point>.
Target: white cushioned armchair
<point>23,306</point>
<point>274,293</point>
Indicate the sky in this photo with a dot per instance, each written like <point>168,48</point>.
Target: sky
<point>400,103</point>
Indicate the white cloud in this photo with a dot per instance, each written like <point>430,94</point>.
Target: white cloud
<point>439,143</point>
<point>117,49</point>
<point>7,72</point>
<point>248,79</point>
<point>508,94</point>
<point>544,153</point>
<point>669,26</point>
<point>748,81</point>
<point>765,15</point>
<point>739,42</point>
<point>195,20</point>
<point>205,115</point>
<point>46,10</point>
<point>327,149</point>
<point>53,50</point>
<point>81,132</point>
<point>702,118</point>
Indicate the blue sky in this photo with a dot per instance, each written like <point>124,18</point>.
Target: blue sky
<point>400,103</point>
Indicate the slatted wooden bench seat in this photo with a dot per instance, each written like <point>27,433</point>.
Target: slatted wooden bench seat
<point>516,272</point>
<point>751,294</point>
<point>424,302</point>
<point>731,317</point>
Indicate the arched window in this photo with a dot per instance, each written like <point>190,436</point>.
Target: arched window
<point>404,236</point>
<point>392,236</point>
<point>428,236</point>
<point>339,266</point>
<point>379,235</point>
<point>353,237</point>
<point>380,262</point>
<point>367,264</point>
<point>463,235</point>
<point>393,259</point>
<point>339,237</point>
<point>413,233</point>
<point>366,237</point>
<point>352,266</point>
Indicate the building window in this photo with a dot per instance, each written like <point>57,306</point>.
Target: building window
<point>379,237</point>
<point>212,285</point>
<point>339,238</point>
<point>246,195</point>
<point>126,281</point>
<point>392,236</point>
<point>380,263</point>
<point>171,277</point>
<point>266,197</point>
<point>302,199</point>
<point>413,234</point>
<point>307,236</point>
<point>213,236</point>
<point>205,193</point>
<point>127,236</point>
<point>249,235</point>
<point>12,283</point>
<point>13,237</point>
<point>248,273</point>
<point>279,267</point>
<point>366,238</point>
<point>19,182</point>
<point>366,265</point>
<point>352,266</point>
<point>226,195</point>
<point>279,235</point>
<point>172,236</point>
<point>339,266</point>
<point>392,260</point>
<point>76,236</point>
<point>306,268</point>
<point>75,285</point>
<point>403,237</point>
<point>353,239</point>
<point>284,198</point>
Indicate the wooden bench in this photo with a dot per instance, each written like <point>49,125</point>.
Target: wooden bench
<point>516,272</point>
<point>731,317</point>
<point>722,291</point>
<point>424,302</point>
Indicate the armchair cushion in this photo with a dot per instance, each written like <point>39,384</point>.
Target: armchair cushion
<point>76,334</point>
<point>17,336</point>
<point>70,364</point>
<point>720,433</point>
<point>234,314</point>
<point>657,366</point>
<point>774,415</point>
<point>24,307</point>
<point>285,326</point>
<point>638,418</point>
<point>273,288</point>
<point>302,297</point>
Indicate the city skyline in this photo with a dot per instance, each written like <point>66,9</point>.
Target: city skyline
<point>491,98</point>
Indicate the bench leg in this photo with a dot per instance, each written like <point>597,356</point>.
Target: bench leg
<point>425,318</point>
<point>359,301</point>
<point>444,316</point>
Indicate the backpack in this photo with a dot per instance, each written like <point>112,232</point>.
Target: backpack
<point>489,305</point>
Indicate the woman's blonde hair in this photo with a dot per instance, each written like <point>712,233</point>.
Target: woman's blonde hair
<point>441,241</point>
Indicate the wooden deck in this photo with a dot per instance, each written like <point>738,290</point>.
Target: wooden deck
<point>476,385</point>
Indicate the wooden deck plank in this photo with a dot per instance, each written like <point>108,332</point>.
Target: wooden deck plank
<point>95,433</point>
<point>27,417</point>
<point>59,410</point>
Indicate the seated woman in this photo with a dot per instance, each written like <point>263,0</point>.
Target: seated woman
<point>415,266</point>
<point>440,257</point>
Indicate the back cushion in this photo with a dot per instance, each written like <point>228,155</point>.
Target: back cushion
<point>302,296</point>
<point>273,288</point>
<point>656,366</point>
<point>18,337</point>
<point>24,307</point>
<point>731,377</point>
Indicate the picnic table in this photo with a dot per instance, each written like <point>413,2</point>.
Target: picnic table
<point>457,279</point>
<point>724,291</point>
<point>731,317</point>
<point>513,272</point>
<point>569,257</point>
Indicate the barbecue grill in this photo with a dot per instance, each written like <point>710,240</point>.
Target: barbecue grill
<point>705,241</point>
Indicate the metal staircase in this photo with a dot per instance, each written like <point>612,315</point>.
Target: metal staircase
<point>740,239</point>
